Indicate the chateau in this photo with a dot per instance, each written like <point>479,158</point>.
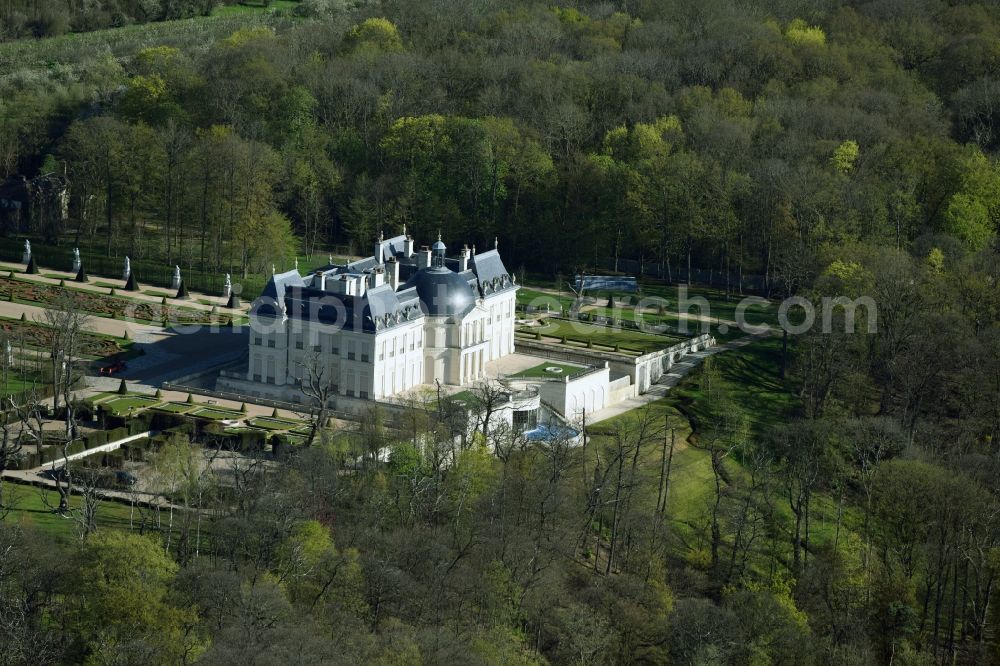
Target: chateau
<point>382,325</point>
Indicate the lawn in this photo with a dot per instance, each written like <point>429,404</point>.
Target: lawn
<point>606,336</point>
<point>30,510</point>
<point>751,377</point>
<point>711,303</point>
<point>542,370</point>
<point>270,423</point>
<point>216,414</point>
<point>176,407</point>
<point>540,300</point>
<point>253,8</point>
<point>127,403</point>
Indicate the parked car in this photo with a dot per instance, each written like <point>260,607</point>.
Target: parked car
<point>54,473</point>
<point>125,478</point>
<point>117,366</point>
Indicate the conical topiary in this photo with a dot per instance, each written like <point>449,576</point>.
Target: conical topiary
<point>274,414</point>
<point>158,394</point>
<point>112,292</point>
<point>243,407</point>
<point>233,302</point>
<point>81,275</point>
<point>24,316</point>
<point>32,268</point>
<point>163,301</point>
<point>182,292</point>
<point>122,387</point>
<point>62,283</point>
<point>190,399</point>
<point>131,284</point>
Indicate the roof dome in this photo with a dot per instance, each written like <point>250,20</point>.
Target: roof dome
<point>439,246</point>
<point>442,292</point>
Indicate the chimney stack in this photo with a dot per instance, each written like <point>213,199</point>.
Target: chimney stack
<point>392,270</point>
<point>424,257</point>
<point>378,248</point>
<point>463,259</point>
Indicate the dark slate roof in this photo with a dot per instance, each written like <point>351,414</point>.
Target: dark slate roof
<point>490,272</point>
<point>392,247</point>
<point>443,292</point>
<point>437,291</point>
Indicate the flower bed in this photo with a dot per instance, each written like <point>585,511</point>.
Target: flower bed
<point>175,407</point>
<point>270,423</point>
<point>37,335</point>
<point>216,414</point>
<point>103,305</point>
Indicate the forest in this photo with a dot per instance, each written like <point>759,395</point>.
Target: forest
<point>832,498</point>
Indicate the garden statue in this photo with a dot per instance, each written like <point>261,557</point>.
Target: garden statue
<point>27,252</point>
<point>176,282</point>
<point>229,285</point>
<point>76,260</point>
<point>128,269</point>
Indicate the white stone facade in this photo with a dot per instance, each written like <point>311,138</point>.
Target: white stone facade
<point>379,327</point>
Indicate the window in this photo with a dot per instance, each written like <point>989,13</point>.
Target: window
<point>350,392</point>
<point>364,357</point>
<point>256,378</point>
<point>336,389</point>
<point>258,341</point>
<point>350,356</point>
<point>364,395</point>
<point>335,351</point>
<point>270,343</point>
<point>298,344</point>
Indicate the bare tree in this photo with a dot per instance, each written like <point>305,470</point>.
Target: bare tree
<point>319,385</point>
<point>12,429</point>
<point>489,396</point>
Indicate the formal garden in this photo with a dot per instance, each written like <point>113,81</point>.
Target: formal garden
<point>105,305</point>
<point>34,335</point>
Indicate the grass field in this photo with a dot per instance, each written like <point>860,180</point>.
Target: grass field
<point>539,299</point>
<point>31,510</point>
<point>216,414</point>
<point>243,9</point>
<point>127,403</point>
<point>269,423</point>
<point>606,336</point>
<point>564,370</point>
<point>750,377</point>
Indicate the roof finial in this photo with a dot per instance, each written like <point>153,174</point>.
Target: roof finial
<point>496,242</point>
<point>404,228</point>
<point>273,269</point>
<point>296,264</point>
<point>473,249</point>
<point>381,236</point>
<point>439,234</point>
